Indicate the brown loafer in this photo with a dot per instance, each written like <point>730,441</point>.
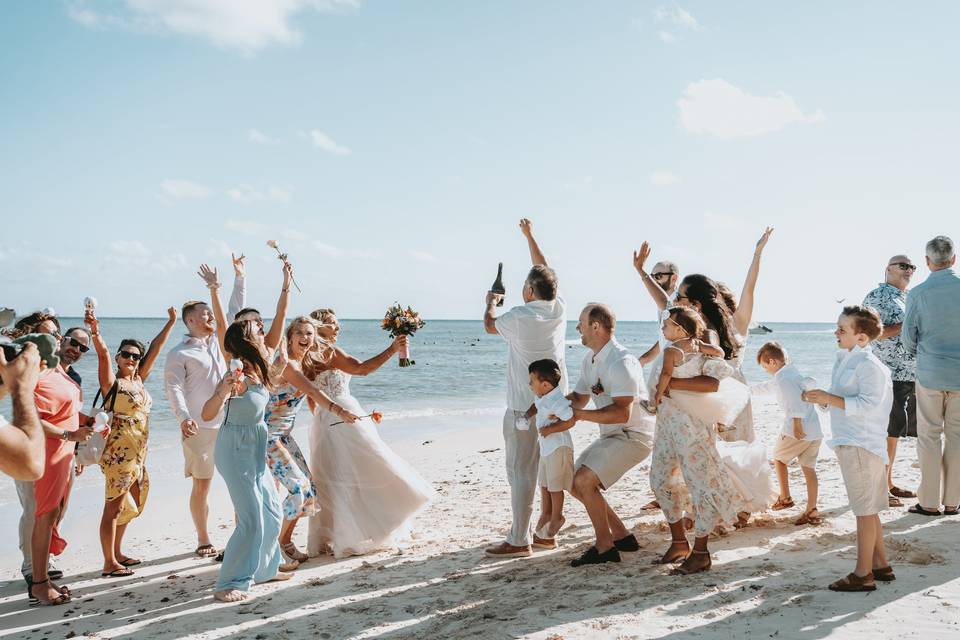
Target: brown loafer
<point>902,493</point>
<point>544,543</point>
<point>853,582</point>
<point>506,550</point>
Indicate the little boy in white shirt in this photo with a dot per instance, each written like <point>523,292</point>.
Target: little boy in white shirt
<point>556,449</point>
<point>801,433</point>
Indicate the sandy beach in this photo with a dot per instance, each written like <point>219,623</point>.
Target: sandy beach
<point>768,580</point>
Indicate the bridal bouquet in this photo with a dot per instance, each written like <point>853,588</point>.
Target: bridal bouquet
<point>400,322</point>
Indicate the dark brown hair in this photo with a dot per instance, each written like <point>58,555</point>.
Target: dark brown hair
<point>241,342</point>
<point>546,370</point>
<point>701,289</point>
<point>728,296</point>
<point>29,324</point>
<point>866,320</point>
<point>543,281</point>
<point>689,320</point>
<point>599,312</point>
<point>771,350</point>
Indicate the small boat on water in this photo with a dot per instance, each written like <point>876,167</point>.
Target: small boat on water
<point>756,329</point>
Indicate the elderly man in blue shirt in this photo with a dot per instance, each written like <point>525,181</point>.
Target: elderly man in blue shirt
<point>931,330</point>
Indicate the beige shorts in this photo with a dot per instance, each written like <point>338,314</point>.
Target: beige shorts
<point>804,451</point>
<point>556,470</point>
<point>198,454</point>
<point>865,476</point>
<point>612,455</point>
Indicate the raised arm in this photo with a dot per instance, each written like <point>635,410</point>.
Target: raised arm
<point>660,297</point>
<point>536,255</point>
<point>490,314</point>
<point>209,276</point>
<point>156,345</point>
<point>238,297</point>
<point>105,375</point>
<point>741,319</point>
<point>349,364</point>
<point>275,335</point>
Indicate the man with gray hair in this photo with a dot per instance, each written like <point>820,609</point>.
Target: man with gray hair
<point>931,330</point>
<point>890,301</point>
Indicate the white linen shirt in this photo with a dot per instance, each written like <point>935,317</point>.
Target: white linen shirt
<point>554,403</point>
<point>533,331</point>
<point>620,374</point>
<point>867,391</point>
<point>190,376</point>
<point>788,385</point>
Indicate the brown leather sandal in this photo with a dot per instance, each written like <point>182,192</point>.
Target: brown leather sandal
<point>884,574</point>
<point>683,571</point>
<point>853,582</point>
<point>781,504</point>
<point>810,517</point>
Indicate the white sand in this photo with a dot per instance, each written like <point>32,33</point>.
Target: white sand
<point>768,580</point>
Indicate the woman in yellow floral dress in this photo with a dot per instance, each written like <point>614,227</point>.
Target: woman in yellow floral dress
<point>124,458</point>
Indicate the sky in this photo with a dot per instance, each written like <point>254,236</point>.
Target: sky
<point>391,146</point>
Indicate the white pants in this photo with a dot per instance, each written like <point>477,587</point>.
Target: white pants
<point>938,447</point>
<point>29,506</point>
<point>522,450</point>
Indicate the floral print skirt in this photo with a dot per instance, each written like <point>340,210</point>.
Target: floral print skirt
<point>124,465</point>
<point>289,467</point>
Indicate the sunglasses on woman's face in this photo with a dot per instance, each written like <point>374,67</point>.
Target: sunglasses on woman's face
<point>130,355</point>
<point>662,274</point>
<point>904,266</point>
<point>76,344</point>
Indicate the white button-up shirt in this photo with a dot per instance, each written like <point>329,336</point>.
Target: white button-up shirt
<point>788,385</point>
<point>190,376</point>
<point>534,331</point>
<point>554,403</point>
<point>864,384</point>
<point>619,374</point>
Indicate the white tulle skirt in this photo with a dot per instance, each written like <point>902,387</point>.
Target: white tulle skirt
<point>722,406</point>
<point>749,470</point>
<point>367,494</point>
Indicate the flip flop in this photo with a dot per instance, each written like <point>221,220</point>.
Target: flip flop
<point>923,512</point>
<point>117,573</point>
<point>131,562</point>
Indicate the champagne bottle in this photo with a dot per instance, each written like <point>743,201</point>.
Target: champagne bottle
<point>497,286</point>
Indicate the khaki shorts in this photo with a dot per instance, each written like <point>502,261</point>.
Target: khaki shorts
<point>865,476</point>
<point>804,451</point>
<point>198,454</point>
<point>556,470</point>
<point>612,455</point>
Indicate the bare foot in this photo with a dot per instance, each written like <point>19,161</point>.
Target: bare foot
<point>678,550</point>
<point>230,595</point>
<point>650,506</point>
<point>696,562</point>
<point>555,527</point>
<point>280,577</point>
<point>289,566</point>
<point>687,523</point>
<point>48,593</point>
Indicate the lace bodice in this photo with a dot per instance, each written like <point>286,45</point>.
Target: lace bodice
<point>333,382</point>
<point>697,364</point>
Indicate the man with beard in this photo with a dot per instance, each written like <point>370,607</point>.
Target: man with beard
<point>191,373</point>
<point>73,345</point>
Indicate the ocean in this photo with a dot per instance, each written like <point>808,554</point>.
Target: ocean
<point>457,383</point>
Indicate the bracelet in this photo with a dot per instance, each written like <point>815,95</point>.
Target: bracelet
<point>287,290</point>
<point>65,436</point>
<point>213,285</point>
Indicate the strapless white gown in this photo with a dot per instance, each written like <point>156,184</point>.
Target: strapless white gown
<point>367,494</point>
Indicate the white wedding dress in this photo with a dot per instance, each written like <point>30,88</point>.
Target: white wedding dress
<point>367,494</point>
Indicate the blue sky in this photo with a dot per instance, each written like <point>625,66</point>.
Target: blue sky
<point>391,147</point>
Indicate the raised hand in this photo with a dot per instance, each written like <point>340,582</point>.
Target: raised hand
<point>526,227</point>
<point>238,264</point>
<point>400,342</point>
<point>762,242</point>
<point>90,319</point>
<point>640,257</point>
<point>209,276</point>
<point>172,314</point>
<point>287,274</point>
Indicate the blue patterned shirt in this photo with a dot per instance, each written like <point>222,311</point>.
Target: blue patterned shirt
<point>931,329</point>
<point>891,304</point>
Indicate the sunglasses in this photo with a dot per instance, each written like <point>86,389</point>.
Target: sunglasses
<point>662,274</point>
<point>130,355</point>
<point>76,344</point>
<point>904,266</point>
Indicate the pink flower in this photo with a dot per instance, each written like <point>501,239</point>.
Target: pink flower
<point>272,244</point>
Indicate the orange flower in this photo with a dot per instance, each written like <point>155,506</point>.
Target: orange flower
<point>376,416</point>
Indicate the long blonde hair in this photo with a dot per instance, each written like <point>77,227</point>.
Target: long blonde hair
<point>318,355</point>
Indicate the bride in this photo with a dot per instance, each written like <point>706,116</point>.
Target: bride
<point>367,494</point>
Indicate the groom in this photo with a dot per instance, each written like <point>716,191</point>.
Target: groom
<point>533,331</point>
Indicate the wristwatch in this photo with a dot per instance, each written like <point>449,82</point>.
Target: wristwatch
<point>65,436</point>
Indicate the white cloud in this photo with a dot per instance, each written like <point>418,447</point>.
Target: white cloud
<point>185,189</point>
<point>718,108</point>
<point>325,142</point>
<point>244,25</point>
<point>664,178</point>
<point>218,248</point>
<point>328,250</point>
<point>265,231</point>
<point>245,194</point>
<point>258,137</point>
<point>677,16</point>
<point>667,37</point>
<point>423,256</point>
<point>130,249</point>
<point>134,253</point>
